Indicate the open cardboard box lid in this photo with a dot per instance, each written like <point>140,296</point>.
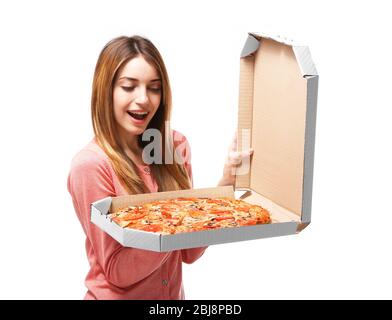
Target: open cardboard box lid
<point>277,118</point>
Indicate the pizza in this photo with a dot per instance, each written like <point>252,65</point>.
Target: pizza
<point>180,215</point>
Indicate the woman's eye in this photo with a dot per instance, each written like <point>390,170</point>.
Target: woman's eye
<point>128,88</point>
<point>155,89</point>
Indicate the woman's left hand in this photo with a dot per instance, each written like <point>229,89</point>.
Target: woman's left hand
<point>233,161</point>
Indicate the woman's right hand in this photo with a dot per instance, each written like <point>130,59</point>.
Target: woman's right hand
<point>233,161</point>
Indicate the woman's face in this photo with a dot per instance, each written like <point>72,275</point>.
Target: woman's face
<point>136,97</point>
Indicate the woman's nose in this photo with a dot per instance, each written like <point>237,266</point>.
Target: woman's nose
<point>141,96</point>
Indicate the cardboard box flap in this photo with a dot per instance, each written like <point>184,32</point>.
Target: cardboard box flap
<point>310,135</point>
<point>251,45</point>
<point>302,53</point>
<point>275,37</point>
<point>305,62</point>
<point>103,205</point>
<point>275,111</point>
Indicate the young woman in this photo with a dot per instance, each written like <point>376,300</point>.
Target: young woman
<point>131,94</point>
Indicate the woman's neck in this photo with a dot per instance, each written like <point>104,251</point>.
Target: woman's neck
<point>132,149</point>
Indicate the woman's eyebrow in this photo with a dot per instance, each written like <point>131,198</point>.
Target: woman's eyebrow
<point>134,79</point>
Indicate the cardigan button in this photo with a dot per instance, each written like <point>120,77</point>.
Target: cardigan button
<point>165,282</point>
<point>147,170</point>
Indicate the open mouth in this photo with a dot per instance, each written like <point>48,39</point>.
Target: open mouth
<point>138,115</point>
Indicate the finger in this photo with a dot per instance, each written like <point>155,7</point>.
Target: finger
<point>235,161</point>
<point>241,156</point>
<point>237,157</point>
<point>246,153</point>
<point>233,157</point>
<point>233,146</point>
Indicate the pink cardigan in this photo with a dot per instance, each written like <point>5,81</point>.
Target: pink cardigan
<point>117,272</point>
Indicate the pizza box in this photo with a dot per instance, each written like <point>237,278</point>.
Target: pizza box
<point>277,118</point>
<point>162,243</point>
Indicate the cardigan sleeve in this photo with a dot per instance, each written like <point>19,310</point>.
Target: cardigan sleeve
<point>182,145</point>
<point>90,180</point>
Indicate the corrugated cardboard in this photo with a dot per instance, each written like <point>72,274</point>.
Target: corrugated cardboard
<point>277,111</point>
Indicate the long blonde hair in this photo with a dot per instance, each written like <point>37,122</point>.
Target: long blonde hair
<point>113,56</point>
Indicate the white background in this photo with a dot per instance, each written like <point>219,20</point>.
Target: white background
<point>48,53</point>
